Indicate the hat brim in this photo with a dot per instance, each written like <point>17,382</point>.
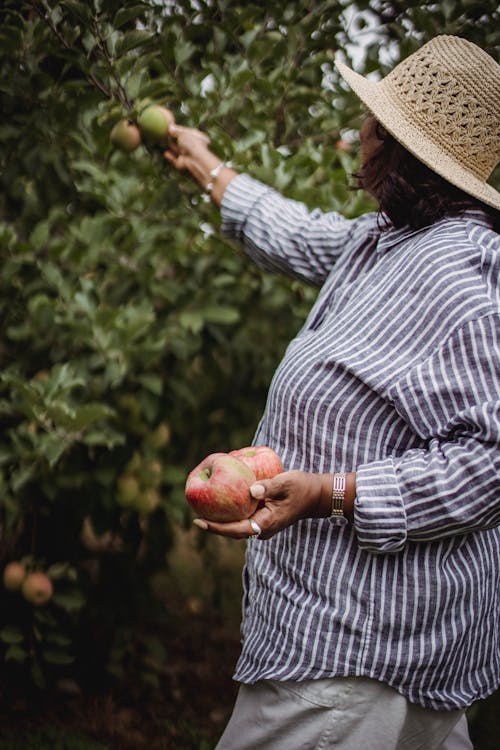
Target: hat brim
<point>396,122</point>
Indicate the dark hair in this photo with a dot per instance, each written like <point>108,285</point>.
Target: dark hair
<point>407,191</point>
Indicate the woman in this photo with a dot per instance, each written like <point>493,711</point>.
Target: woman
<point>371,612</point>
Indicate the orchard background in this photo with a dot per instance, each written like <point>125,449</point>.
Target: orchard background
<point>136,340</point>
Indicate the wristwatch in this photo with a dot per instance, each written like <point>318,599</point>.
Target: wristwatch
<point>338,495</point>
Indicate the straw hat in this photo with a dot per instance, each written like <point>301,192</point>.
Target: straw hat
<point>442,103</point>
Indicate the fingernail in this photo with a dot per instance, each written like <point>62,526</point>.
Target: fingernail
<point>200,523</point>
<point>257,491</point>
<point>172,129</point>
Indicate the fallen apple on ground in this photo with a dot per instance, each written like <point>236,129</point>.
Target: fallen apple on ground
<point>218,489</point>
<point>264,461</point>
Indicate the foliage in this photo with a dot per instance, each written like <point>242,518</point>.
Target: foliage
<point>136,339</point>
<point>48,740</point>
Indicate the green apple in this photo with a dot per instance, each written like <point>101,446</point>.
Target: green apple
<point>125,135</point>
<point>147,501</point>
<point>160,437</point>
<point>128,490</point>
<point>154,474</point>
<point>154,123</point>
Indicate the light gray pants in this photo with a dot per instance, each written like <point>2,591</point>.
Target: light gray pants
<point>349,713</point>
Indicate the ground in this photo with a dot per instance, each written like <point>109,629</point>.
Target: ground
<point>196,695</point>
<point>189,713</point>
<point>202,591</point>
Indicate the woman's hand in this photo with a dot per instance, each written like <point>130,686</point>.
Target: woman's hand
<point>189,151</point>
<point>187,146</point>
<point>285,499</point>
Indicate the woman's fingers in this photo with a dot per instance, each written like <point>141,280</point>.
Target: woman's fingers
<point>283,500</point>
<point>235,530</point>
<point>188,140</point>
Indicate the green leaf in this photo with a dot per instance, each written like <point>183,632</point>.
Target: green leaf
<point>58,639</point>
<point>221,314</point>
<point>174,475</point>
<point>70,601</point>
<point>89,413</point>
<point>51,656</point>
<point>52,446</point>
<point>124,15</point>
<point>183,51</point>
<point>40,235</point>
<point>153,383</point>
<point>22,476</point>
<point>37,675</point>
<point>16,653</point>
<point>58,571</point>
<point>80,10</point>
<point>192,320</point>
<point>133,39</point>
<point>11,634</point>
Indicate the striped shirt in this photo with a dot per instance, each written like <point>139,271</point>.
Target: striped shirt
<point>395,375</point>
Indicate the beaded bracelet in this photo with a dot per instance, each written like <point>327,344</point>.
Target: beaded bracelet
<point>214,173</point>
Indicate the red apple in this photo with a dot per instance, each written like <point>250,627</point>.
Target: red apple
<point>13,576</point>
<point>218,489</point>
<point>262,459</point>
<point>37,588</point>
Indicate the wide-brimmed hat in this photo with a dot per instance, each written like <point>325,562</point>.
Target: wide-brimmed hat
<point>442,103</point>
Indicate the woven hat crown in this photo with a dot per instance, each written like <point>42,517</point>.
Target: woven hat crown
<point>442,103</point>
<point>451,89</point>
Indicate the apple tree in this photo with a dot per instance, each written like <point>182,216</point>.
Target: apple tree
<point>136,339</point>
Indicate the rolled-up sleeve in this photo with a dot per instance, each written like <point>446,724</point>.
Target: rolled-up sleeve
<point>452,486</point>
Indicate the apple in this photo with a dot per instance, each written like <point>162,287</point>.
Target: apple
<point>128,490</point>
<point>37,588</point>
<point>148,501</point>
<point>262,459</point>
<point>218,489</point>
<point>13,576</point>
<point>154,473</point>
<point>160,437</point>
<point>154,122</point>
<point>125,135</point>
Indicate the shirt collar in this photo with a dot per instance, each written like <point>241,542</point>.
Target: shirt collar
<point>390,236</point>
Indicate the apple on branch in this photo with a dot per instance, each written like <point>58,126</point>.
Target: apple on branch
<point>125,135</point>
<point>218,489</point>
<point>37,588</point>
<point>264,461</point>
<point>13,575</point>
<point>154,123</point>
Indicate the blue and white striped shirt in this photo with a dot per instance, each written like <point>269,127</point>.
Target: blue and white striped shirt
<point>395,375</point>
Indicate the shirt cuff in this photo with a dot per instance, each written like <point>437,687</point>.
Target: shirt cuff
<point>239,197</point>
<point>379,513</point>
